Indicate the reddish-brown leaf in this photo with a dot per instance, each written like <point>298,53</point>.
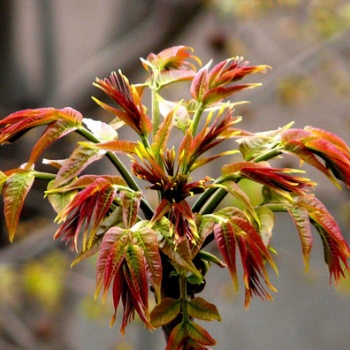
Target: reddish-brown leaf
<point>336,250</point>
<point>148,242</point>
<point>85,212</point>
<point>225,239</point>
<point>53,132</point>
<point>110,259</point>
<point>19,122</point>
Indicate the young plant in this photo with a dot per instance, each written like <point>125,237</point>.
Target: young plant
<point>146,243</point>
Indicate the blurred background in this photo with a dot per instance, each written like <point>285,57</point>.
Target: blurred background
<point>51,52</point>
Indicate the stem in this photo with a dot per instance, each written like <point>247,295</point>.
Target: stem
<point>267,155</point>
<point>197,116</point>
<point>214,201</point>
<point>155,109</point>
<point>183,296</point>
<point>44,176</point>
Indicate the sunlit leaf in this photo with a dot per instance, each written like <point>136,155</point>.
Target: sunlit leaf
<point>20,122</point>
<point>54,131</point>
<point>118,146</point>
<point>165,312</point>
<point>15,191</point>
<point>172,58</point>
<point>101,130</point>
<point>161,137</point>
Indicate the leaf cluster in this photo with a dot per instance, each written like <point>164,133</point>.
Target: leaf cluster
<point>142,245</point>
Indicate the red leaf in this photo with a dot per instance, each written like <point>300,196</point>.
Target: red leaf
<point>126,96</point>
<point>88,206</point>
<point>15,190</point>
<point>336,250</point>
<point>300,216</point>
<point>225,238</point>
<point>19,122</point>
<point>110,259</point>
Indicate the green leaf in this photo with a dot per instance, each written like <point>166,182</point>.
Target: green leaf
<point>203,310</point>
<point>3,178</point>
<point>15,190</point>
<point>165,312</point>
<point>59,200</point>
<point>267,222</point>
<point>80,158</point>
<point>259,143</point>
<point>204,255</point>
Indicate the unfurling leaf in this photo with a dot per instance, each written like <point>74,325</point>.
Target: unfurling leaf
<point>85,212</point>
<point>15,191</point>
